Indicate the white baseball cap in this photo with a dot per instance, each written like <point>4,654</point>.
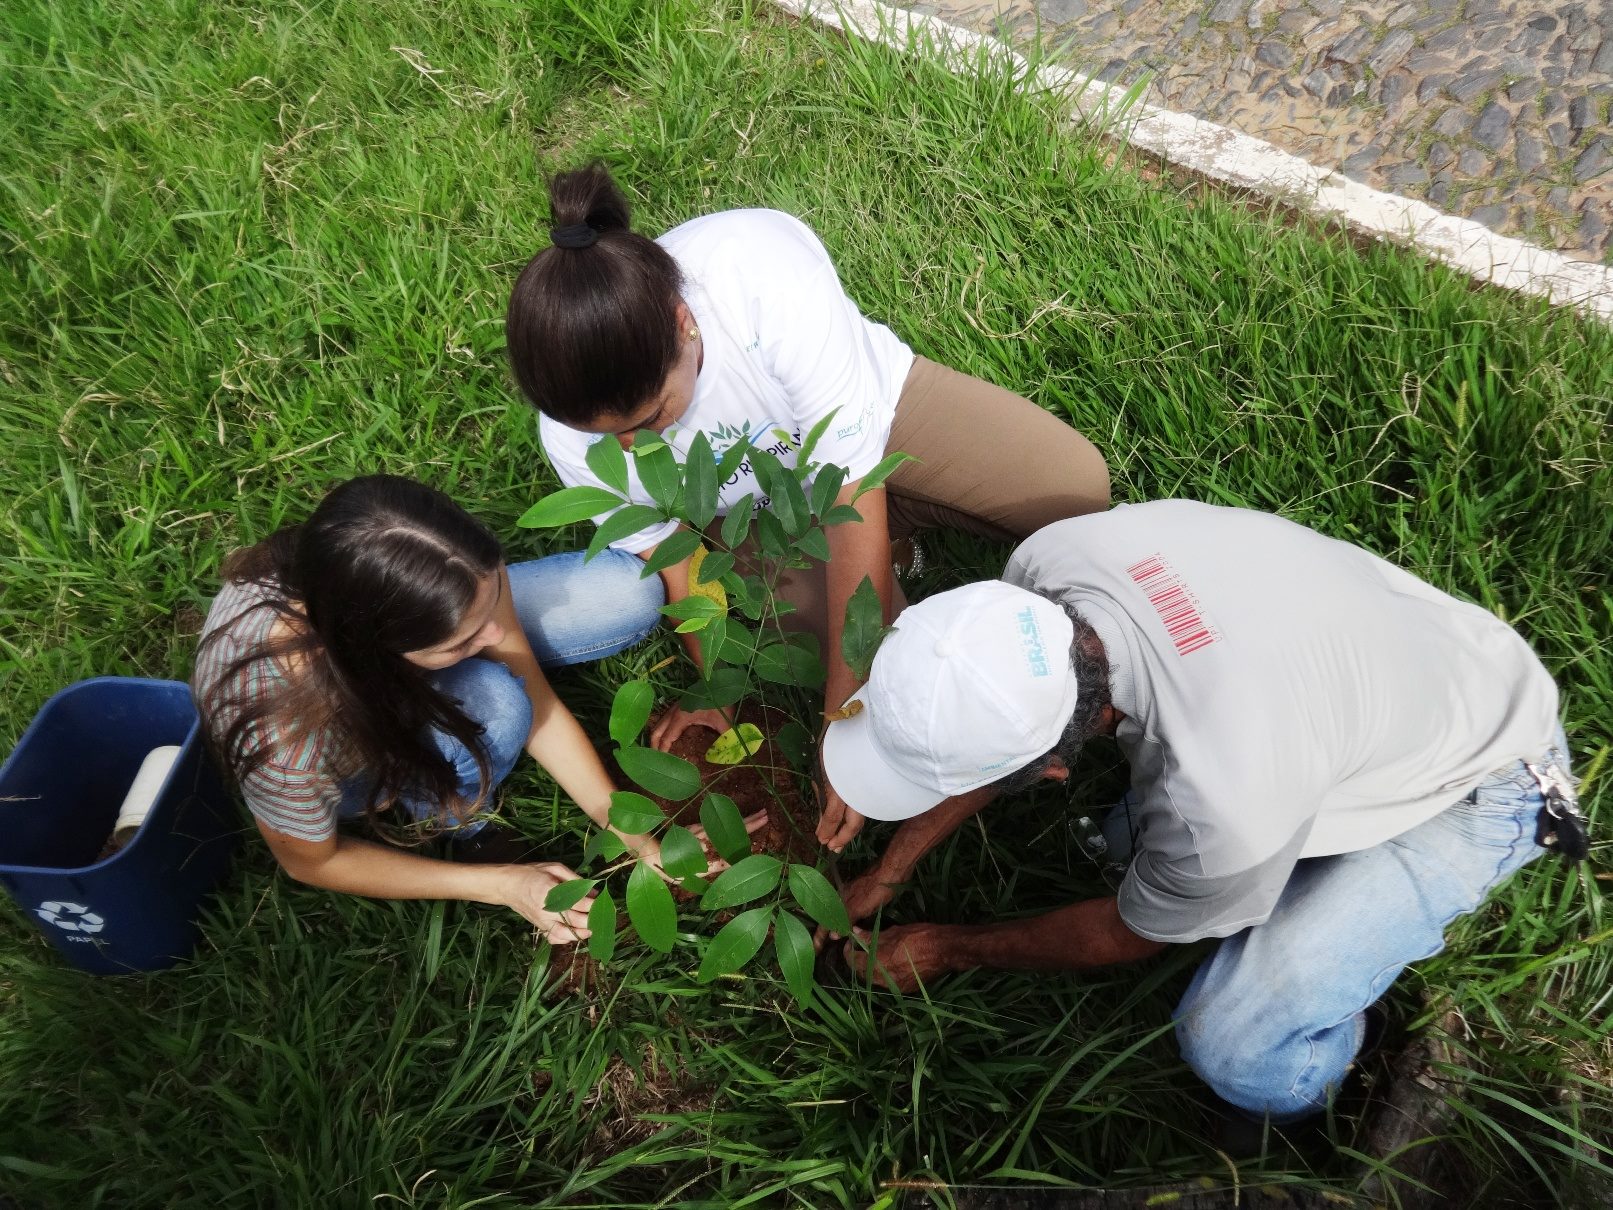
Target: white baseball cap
<point>971,686</point>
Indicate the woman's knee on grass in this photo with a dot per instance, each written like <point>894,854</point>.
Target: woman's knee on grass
<point>497,701</point>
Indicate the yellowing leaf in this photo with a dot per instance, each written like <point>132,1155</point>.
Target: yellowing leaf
<point>735,744</point>
<point>712,591</point>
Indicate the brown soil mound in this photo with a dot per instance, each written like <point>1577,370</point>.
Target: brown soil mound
<point>766,781</point>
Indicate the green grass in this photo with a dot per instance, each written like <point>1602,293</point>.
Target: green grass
<point>250,250</point>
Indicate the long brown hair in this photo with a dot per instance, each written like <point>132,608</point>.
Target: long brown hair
<point>384,566</point>
<point>592,327</point>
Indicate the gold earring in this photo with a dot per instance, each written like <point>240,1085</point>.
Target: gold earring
<point>694,332</point>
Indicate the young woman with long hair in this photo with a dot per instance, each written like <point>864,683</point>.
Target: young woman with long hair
<point>382,657</point>
<point>735,325</point>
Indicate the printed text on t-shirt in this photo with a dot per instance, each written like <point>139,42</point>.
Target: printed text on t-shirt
<point>1175,604</point>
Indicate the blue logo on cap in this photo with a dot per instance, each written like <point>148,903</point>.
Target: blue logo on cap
<point>1030,634</point>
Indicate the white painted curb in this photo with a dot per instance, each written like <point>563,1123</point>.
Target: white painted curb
<point>1222,154</point>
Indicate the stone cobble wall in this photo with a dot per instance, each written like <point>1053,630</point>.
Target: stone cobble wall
<point>1496,111</point>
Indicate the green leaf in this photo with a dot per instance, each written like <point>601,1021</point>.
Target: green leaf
<point>814,544</point>
<point>675,549</point>
<point>568,894</point>
<point>630,710</point>
<point>786,499</point>
<point>725,826</point>
<point>602,927</point>
<point>716,565</point>
<point>732,457</point>
<point>737,523</point>
<point>791,661</point>
<point>633,813</point>
<point>770,472</point>
<point>695,885</point>
<point>770,535</point>
<point>682,854</point>
<point>699,483</point>
<point>877,476</point>
<point>608,460</point>
<point>735,944</point>
<point>694,607</point>
<point>864,628</point>
<point>603,843</point>
<point>658,471</point>
<point>730,641</point>
<point>796,957</point>
<point>723,687</point>
<point>735,744</point>
<point>747,879</point>
<point>627,520</point>
<point>842,514</point>
<point>815,435</point>
<point>568,506</point>
<point>647,441</point>
<point>650,908</point>
<point>826,487</point>
<point>795,742</point>
<point>750,597</point>
<point>818,899</point>
<point>661,773</point>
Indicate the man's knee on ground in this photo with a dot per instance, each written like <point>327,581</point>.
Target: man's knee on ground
<point>1286,1081</point>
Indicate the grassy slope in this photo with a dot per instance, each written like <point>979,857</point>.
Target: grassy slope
<point>256,249</point>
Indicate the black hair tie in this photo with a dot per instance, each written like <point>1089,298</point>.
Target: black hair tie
<point>577,235</point>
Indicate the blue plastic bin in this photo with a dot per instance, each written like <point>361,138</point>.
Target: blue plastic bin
<point>59,797</point>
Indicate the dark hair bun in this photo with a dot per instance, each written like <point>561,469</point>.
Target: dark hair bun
<point>590,196</point>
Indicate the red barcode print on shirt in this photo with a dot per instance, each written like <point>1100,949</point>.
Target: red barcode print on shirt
<point>1174,604</point>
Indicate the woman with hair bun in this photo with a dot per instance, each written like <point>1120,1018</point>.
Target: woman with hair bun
<point>735,325</point>
<point>381,655</point>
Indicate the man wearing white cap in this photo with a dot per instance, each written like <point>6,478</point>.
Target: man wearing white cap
<point>1330,762</point>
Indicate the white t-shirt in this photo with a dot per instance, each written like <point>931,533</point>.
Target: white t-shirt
<point>1286,696</point>
<point>783,347</point>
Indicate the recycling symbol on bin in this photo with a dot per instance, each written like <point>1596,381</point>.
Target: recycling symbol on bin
<point>69,917</point>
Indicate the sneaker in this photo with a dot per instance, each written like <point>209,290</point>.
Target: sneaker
<point>907,558</point>
<point>493,844</point>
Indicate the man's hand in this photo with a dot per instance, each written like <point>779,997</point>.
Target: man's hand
<point>527,886</point>
<point>863,896</point>
<point>838,823</point>
<point>905,955</point>
<point>676,720</point>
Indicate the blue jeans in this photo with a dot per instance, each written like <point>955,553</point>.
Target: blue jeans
<point>572,612</point>
<point>1273,1020</point>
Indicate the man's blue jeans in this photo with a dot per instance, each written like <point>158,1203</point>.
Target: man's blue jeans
<point>1273,1020</point>
<point>572,612</point>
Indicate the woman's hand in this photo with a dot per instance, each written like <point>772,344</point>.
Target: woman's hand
<point>676,720</point>
<point>527,886</point>
<point>648,849</point>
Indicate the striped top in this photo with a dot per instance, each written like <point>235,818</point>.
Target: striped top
<point>297,790</point>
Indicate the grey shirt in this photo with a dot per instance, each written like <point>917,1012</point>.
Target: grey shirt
<point>1286,695</point>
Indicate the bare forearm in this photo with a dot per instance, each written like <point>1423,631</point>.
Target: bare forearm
<point>675,581</point>
<point>560,745</point>
<point>856,550</point>
<point>362,867</point>
<point>915,838</point>
<point>1086,934</point>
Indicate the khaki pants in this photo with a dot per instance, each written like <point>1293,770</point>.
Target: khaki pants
<point>989,463</point>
